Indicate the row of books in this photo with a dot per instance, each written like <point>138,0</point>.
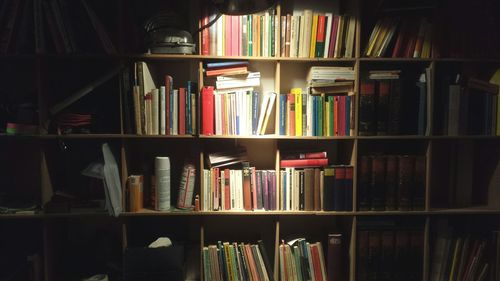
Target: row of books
<point>162,110</point>
<point>305,114</point>
<point>384,254</point>
<point>400,38</point>
<point>394,105</point>
<point>236,261</point>
<point>246,35</point>
<point>458,254</point>
<point>239,189</point>
<point>302,260</point>
<point>314,189</point>
<point>317,35</point>
<point>470,107</point>
<point>240,112</point>
<point>391,182</point>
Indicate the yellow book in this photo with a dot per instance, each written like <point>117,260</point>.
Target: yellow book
<point>313,36</point>
<point>297,92</point>
<point>371,42</point>
<point>456,256</point>
<point>495,79</point>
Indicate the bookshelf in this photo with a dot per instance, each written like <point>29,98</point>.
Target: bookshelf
<point>37,165</point>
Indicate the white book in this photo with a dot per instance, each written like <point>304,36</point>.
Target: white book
<point>220,36</point>
<point>163,119</point>
<point>269,110</point>
<point>232,188</point>
<point>233,113</point>
<point>155,117</point>
<point>350,38</point>
<point>227,84</point>
<point>239,189</point>
<point>248,96</point>
<point>239,111</point>
<point>262,112</point>
<point>251,74</point>
<point>205,190</point>
<point>302,43</point>
<point>308,16</point>
<point>329,18</point>
<point>310,119</point>
<point>218,113</point>
<point>293,37</point>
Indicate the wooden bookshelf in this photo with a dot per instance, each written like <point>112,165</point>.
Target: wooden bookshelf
<point>37,165</point>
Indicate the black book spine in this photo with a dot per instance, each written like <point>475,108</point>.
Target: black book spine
<point>378,183</point>
<point>339,190</point>
<point>265,257</point>
<point>394,108</point>
<point>328,189</point>
<point>364,183</point>
<point>382,107</point>
<point>418,198</point>
<point>367,109</point>
<point>405,181</point>
<point>391,182</point>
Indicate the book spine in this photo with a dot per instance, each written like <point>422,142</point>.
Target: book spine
<point>303,162</point>
<point>207,97</point>
<point>391,183</point>
<point>378,183</point>
<point>367,109</point>
<point>348,187</point>
<point>406,165</point>
<point>364,183</point>
<point>382,107</point>
<point>339,190</point>
<point>320,37</point>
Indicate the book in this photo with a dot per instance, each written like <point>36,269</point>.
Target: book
<point>207,107</point>
<point>335,270</point>
<point>303,162</point>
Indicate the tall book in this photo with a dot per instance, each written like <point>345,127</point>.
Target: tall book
<point>207,107</point>
<point>335,267</point>
<point>367,108</point>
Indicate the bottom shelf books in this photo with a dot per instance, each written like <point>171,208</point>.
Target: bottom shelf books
<point>236,261</point>
<point>301,260</point>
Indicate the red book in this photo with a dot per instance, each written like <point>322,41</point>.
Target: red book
<point>402,35</point>
<point>291,114</point>
<point>253,184</point>
<point>320,37</point>
<point>168,90</point>
<point>228,35</point>
<point>316,263</point>
<point>207,106</point>
<point>182,111</point>
<point>205,37</point>
<point>333,38</point>
<point>341,115</point>
<point>227,191</point>
<point>307,155</point>
<point>297,163</point>
<point>227,71</point>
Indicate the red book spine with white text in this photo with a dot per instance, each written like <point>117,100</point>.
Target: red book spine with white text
<point>207,105</point>
<point>303,163</point>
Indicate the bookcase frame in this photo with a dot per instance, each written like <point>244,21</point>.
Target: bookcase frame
<point>358,62</point>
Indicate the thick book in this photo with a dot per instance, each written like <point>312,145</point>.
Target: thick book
<point>377,185</point>
<point>266,260</point>
<point>328,189</point>
<point>418,200</point>
<point>406,168</point>
<point>362,256</point>
<point>339,189</point>
<point>348,186</point>
<point>247,194</point>
<point>367,108</point>
<point>382,108</point>
<point>364,183</point>
<point>335,269</point>
<point>391,182</point>
<point>297,163</point>
<point>207,107</point>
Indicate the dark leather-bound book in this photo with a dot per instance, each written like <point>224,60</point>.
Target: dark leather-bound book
<point>374,249</point>
<point>377,186</point>
<point>382,108</point>
<point>349,171</point>
<point>364,183</point>
<point>387,255</point>
<point>362,254</point>
<point>416,255</point>
<point>335,269</point>
<point>391,182</point>
<point>328,188</point>
<point>405,181</point>
<point>401,256</point>
<point>418,200</point>
<point>339,189</point>
<point>394,108</point>
<point>367,108</point>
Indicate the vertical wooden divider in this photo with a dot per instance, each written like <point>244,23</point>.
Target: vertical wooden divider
<point>276,250</point>
<point>352,250</point>
<point>202,244</point>
<point>426,258</point>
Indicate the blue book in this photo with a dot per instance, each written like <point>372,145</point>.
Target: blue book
<point>255,112</point>
<point>283,115</point>
<point>347,115</point>
<point>224,64</point>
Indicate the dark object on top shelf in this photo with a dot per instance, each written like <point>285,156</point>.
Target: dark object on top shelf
<point>243,7</point>
<point>163,37</point>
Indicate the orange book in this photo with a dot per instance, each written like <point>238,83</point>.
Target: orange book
<point>227,71</point>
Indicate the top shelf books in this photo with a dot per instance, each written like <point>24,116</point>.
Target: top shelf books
<point>303,34</point>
